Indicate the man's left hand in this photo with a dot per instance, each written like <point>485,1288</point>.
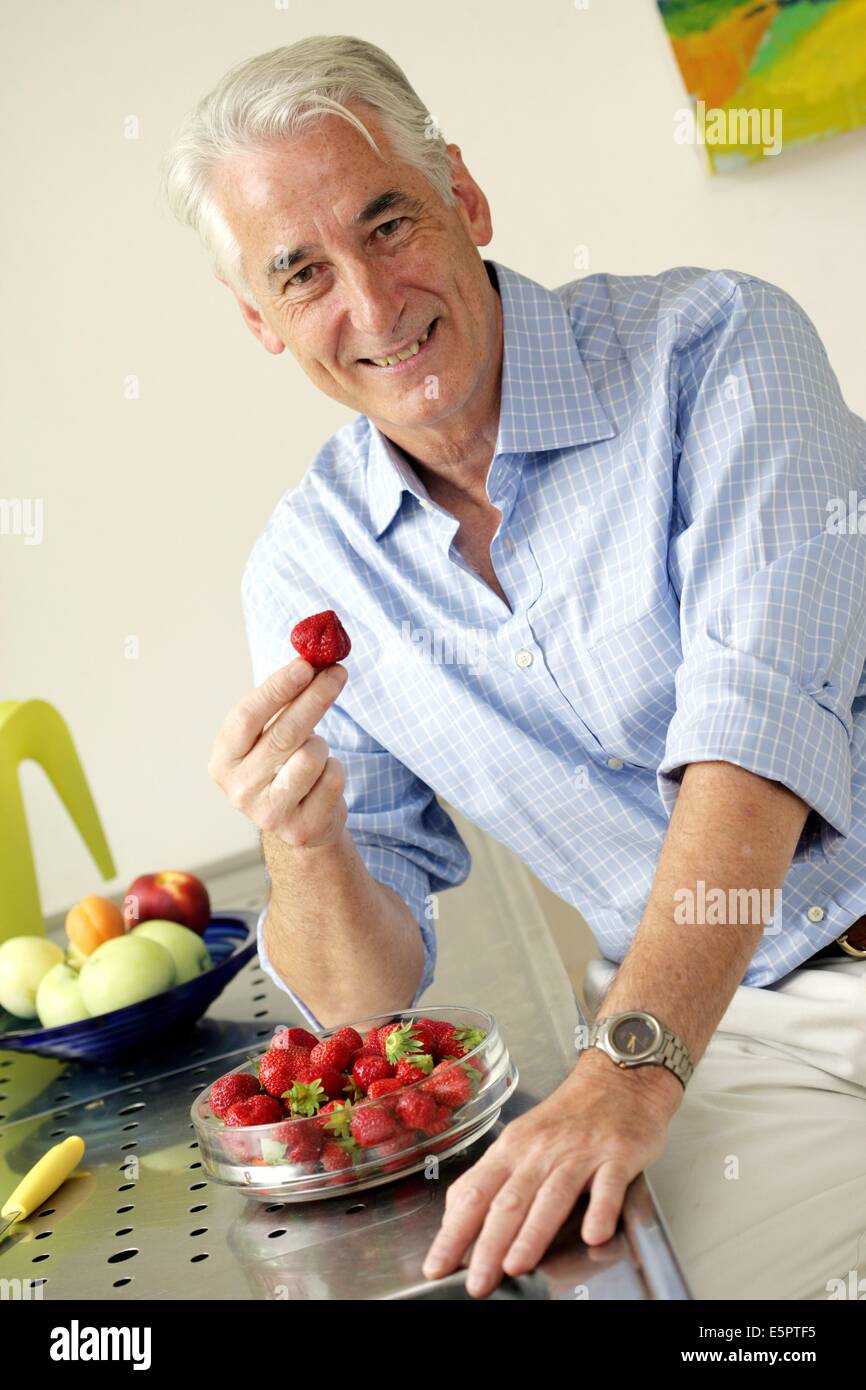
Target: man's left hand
<point>597,1130</point>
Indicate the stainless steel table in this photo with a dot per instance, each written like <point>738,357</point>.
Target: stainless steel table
<point>140,1220</point>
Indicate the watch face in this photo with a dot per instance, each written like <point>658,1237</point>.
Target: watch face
<point>634,1036</point>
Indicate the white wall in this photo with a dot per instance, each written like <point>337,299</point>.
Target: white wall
<point>564,116</point>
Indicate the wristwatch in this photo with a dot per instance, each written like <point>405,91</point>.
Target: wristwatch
<point>638,1039</point>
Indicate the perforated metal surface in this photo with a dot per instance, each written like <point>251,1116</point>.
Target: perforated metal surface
<point>139,1220</point>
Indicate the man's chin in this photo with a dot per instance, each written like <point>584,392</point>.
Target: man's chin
<point>402,414</point>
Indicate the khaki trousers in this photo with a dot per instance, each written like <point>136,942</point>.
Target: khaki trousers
<point>762,1184</point>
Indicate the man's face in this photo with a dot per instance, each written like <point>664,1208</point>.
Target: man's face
<point>373,275</point>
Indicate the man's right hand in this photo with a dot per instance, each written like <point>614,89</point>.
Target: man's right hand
<point>271,765</point>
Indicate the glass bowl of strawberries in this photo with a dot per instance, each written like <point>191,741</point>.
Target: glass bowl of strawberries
<point>321,1115</point>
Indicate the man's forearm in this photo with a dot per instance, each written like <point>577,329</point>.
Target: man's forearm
<point>346,944</point>
<point>732,830</point>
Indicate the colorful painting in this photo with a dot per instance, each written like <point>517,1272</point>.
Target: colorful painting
<point>764,77</point>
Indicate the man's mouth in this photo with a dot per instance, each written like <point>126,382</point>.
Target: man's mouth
<point>397,361</point>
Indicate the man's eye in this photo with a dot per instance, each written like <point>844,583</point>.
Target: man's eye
<point>294,279</point>
<point>392,222</point>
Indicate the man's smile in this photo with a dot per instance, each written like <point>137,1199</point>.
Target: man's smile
<point>398,363</point>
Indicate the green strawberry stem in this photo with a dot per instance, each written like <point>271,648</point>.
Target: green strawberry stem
<point>305,1097</point>
<point>422,1060</point>
<point>403,1042</point>
<point>469,1037</point>
<point>339,1120</point>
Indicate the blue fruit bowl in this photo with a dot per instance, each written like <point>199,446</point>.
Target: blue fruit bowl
<point>231,942</point>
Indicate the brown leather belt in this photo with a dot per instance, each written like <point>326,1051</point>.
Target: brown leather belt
<point>852,942</point>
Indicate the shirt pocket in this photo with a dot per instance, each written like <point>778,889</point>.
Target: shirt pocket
<point>627,690</point>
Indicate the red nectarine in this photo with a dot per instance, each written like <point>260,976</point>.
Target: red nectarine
<point>171,896</point>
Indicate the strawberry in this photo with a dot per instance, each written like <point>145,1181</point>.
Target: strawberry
<point>333,1081</point>
<point>383,1086</point>
<point>334,1118</point>
<point>372,1124</point>
<point>238,1085</point>
<point>398,1141</point>
<point>456,1042</point>
<point>379,1089</point>
<point>303,1141</point>
<point>353,1039</point>
<point>321,639</point>
<point>364,1051</point>
<point>416,1110</point>
<point>368,1069</point>
<point>449,1084</point>
<point>340,1170</point>
<point>371,1042</point>
<point>395,1145</point>
<point>279,1067</point>
<point>424,1036</point>
<point>438,1027</point>
<point>412,1069</point>
<point>256,1110</point>
<point>334,1054</point>
<point>294,1037</point>
<point>439,1125</point>
<point>244,1148</point>
<point>338,1154</point>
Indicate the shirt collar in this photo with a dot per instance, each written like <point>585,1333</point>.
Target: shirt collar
<point>547,402</point>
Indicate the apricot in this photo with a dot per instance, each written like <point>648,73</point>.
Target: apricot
<point>93,921</point>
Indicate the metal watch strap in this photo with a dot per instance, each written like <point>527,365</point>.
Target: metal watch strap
<point>675,1056</point>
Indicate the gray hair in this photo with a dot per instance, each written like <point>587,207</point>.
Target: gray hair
<point>276,96</point>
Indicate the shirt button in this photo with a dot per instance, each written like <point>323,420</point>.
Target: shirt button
<point>815,913</point>
<point>510,543</point>
<point>615,763</point>
<point>523,658</point>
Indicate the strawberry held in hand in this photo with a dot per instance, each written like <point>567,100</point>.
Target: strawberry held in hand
<point>321,639</point>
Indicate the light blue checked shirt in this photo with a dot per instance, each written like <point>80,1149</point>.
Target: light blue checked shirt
<point>672,452</point>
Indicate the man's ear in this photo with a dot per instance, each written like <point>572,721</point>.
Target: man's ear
<point>254,322</point>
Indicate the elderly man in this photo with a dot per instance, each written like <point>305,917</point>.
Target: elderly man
<point>621,496</point>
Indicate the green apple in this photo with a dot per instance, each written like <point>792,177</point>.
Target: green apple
<point>191,956</point>
<point>124,970</point>
<point>58,998</point>
<point>23,962</point>
<point>74,956</point>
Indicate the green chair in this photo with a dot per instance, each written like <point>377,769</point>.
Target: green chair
<point>35,729</point>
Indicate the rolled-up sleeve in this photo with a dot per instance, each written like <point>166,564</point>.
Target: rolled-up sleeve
<point>769,566</point>
<point>405,838</point>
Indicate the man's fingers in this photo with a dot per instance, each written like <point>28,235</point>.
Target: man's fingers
<point>504,1219</point>
<point>553,1203</point>
<point>466,1205</point>
<point>607,1195</point>
<point>277,716</point>
<point>243,725</point>
<point>296,722</point>
<point>320,805</point>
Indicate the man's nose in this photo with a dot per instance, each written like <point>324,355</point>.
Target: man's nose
<point>374,305</point>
